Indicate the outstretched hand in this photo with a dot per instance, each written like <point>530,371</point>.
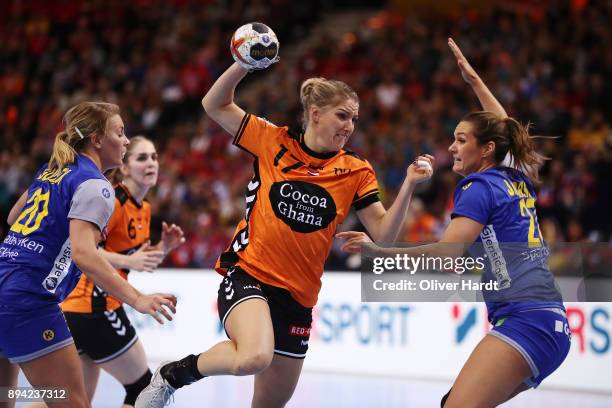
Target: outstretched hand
<point>467,72</point>
<point>172,237</point>
<point>156,304</point>
<point>355,241</point>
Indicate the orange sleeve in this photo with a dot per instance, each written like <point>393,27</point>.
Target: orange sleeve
<point>115,218</point>
<point>255,134</point>
<point>367,189</point>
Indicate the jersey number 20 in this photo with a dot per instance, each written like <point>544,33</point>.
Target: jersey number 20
<point>29,220</point>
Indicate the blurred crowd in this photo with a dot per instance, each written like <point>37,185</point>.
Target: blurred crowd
<point>548,64</point>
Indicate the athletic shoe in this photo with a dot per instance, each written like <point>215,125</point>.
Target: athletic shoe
<point>157,394</point>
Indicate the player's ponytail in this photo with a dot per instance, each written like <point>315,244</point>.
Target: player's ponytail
<point>80,122</point>
<point>509,136</point>
<point>322,92</point>
<point>63,152</point>
<point>523,152</point>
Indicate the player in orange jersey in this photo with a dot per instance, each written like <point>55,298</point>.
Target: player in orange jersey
<point>102,332</point>
<point>303,186</point>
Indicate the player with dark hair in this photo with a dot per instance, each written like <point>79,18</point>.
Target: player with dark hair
<point>495,205</point>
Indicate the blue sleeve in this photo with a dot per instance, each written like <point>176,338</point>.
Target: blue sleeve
<point>473,199</point>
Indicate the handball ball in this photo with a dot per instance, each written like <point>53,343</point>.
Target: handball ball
<point>254,46</point>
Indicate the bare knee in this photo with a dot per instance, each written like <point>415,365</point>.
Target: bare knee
<point>252,362</point>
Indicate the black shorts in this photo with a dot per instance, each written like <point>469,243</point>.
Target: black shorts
<point>291,321</point>
<point>102,336</point>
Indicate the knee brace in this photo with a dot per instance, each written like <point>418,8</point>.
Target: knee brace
<point>444,398</point>
<point>132,390</point>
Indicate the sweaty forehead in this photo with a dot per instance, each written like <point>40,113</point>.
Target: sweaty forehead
<point>349,105</point>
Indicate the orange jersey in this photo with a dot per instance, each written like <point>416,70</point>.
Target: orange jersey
<point>128,229</point>
<point>295,202</point>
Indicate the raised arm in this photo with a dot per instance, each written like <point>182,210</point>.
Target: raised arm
<point>219,100</point>
<point>487,100</point>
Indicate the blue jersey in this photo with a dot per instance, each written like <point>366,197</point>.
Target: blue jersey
<point>503,200</point>
<point>35,257</point>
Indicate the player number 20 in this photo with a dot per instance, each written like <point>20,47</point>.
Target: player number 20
<point>29,220</point>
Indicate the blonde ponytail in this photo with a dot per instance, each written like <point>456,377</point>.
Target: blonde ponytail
<point>80,122</point>
<point>63,153</point>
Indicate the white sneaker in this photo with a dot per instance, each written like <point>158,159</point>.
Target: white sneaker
<point>157,394</point>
